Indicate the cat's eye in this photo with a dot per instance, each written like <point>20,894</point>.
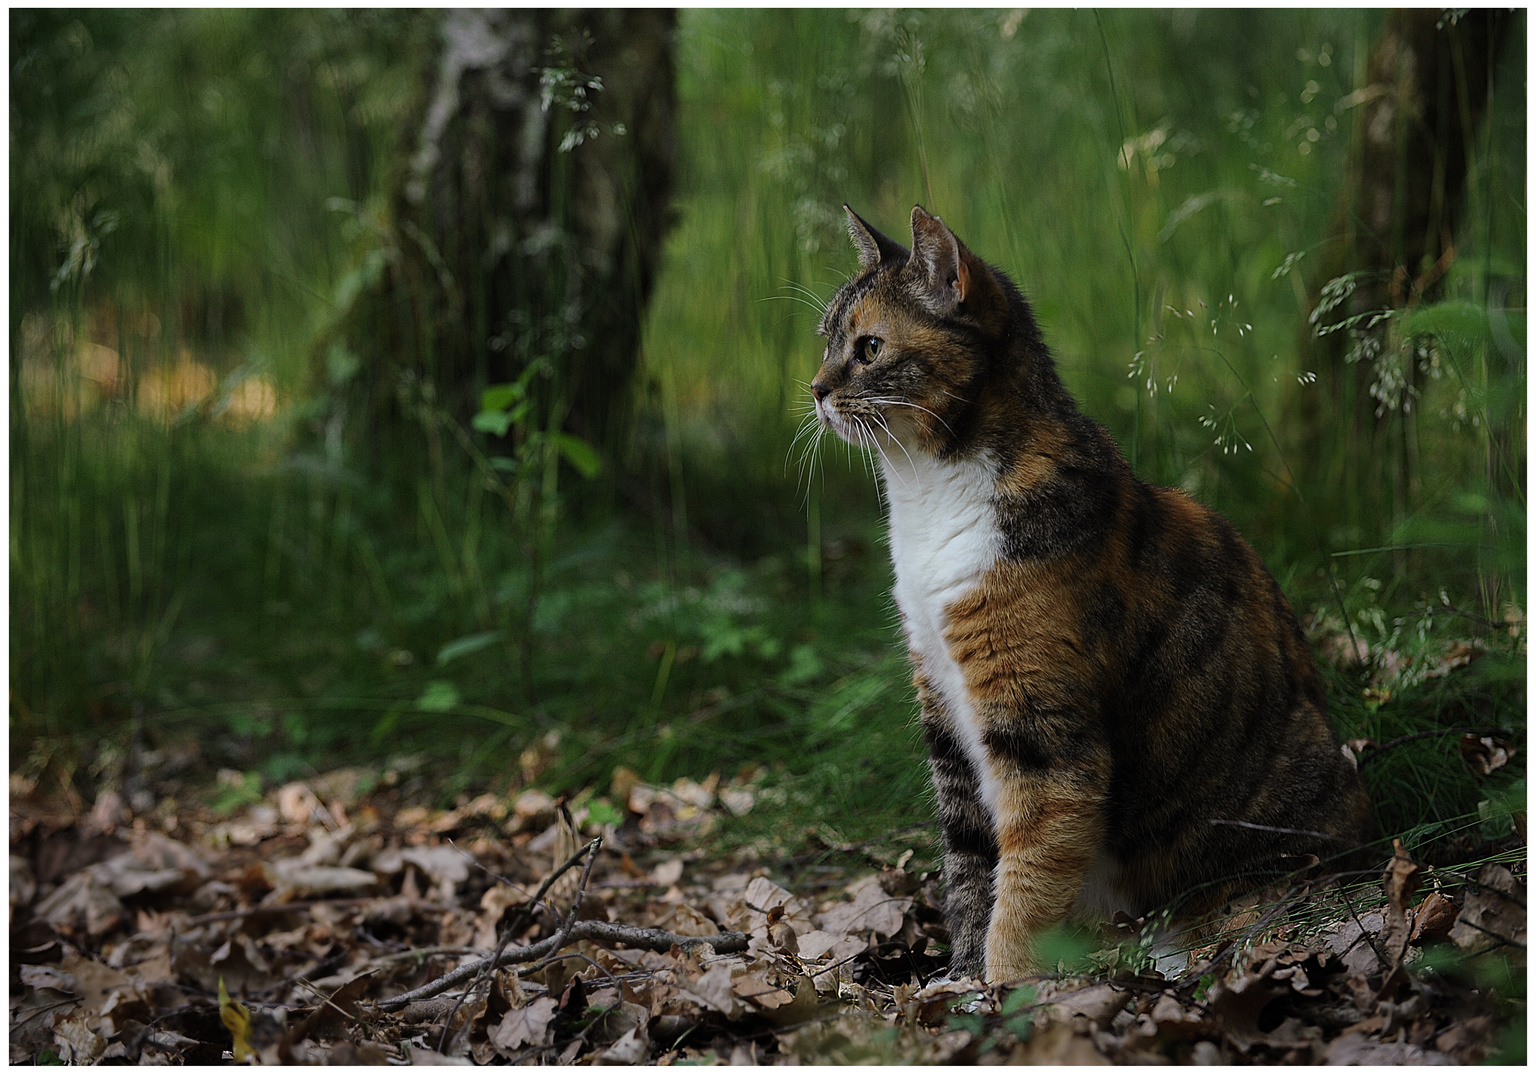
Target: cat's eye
<point>867,349</point>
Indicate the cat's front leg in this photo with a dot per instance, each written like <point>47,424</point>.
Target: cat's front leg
<point>1050,828</point>
<point>970,848</point>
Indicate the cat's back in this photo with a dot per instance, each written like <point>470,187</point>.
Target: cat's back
<point>1193,664</point>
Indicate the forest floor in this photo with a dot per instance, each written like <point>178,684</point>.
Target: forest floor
<point>322,922</point>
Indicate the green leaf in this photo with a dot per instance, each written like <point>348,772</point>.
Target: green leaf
<point>497,398</point>
<point>281,768</point>
<point>230,797</point>
<point>341,363</point>
<point>439,697</point>
<point>1456,322</point>
<point>296,728</point>
<point>385,727</point>
<point>602,812</point>
<point>1018,999</point>
<point>973,1024</point>
<point>804,665</point>
<point>581,454</point>
<point>496,423</point>
<point>464,646</point>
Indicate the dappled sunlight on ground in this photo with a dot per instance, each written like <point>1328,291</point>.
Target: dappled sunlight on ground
<point>70,376</point>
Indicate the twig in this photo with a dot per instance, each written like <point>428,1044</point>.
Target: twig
<point>1382,749</point>
<point>325,999</point>
<point>732,941</point>
<point>322,967</point>
<point>422,954</point>
<point>1366,936</point>
<point>534,968</point>
<point>588,852</point>
<point>478,865</point>
<point>834,964</point>
<point>581,893</point>
<point>526,1054</point>
<point>584,930</point>
<point>1475,884</point>
<point>1193,977</point>
<point>525,915</point>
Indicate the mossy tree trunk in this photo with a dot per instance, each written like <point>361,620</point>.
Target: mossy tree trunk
<point>525,226</point>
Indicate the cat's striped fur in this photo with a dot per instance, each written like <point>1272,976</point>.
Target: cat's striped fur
<point>1106,671</point>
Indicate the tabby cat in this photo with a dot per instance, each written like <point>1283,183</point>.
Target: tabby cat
<point>1120,707</point>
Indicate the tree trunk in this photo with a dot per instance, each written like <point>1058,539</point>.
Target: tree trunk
<point>1417,120</point>
<point>526,226</point>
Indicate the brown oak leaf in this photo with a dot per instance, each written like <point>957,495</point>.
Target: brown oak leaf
<point>528,1026</point>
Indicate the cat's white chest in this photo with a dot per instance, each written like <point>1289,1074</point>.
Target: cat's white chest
<point>944,537</point>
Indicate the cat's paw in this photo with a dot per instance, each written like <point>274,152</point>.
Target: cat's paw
<point>1009,959</point>
<point>953,980</point>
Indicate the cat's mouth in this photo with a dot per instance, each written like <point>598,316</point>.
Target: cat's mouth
<point>849,429</point>
<point>878,425</point>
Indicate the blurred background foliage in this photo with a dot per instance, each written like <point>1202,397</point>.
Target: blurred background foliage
<point>197,196</point>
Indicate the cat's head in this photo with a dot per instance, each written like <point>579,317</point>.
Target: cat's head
<point>909,339</point>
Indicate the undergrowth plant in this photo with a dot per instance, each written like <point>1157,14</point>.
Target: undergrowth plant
<point>184,569</point>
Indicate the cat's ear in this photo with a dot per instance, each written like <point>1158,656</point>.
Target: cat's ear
<point>945,279</point>
<point>874,247</point>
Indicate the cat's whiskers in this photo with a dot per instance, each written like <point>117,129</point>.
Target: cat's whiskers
<point>871,446</point>
<point>912,405</point>
<point>804,295</point>
<point>957,397</point>
<point>890,468</point>
<point>882,488</point>
<point>811,430</point>
<point>885,425</point>
<point>809,422</point>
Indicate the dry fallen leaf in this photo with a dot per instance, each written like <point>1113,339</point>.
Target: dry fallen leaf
<point>82,904</point>
<point>1400,882</point>
<point>1058,1044</point>
<point>78,1044</point>
<point>185,915</point>
<point>1433,919</point>
<point>712,989</point>
<point>631,1049</point>
<point>870,909</point>
<point>296,803</point>
<point>1493,912</point>
<point>528,1026</point>
<point>1356,1048</point>
<point>291,882</point>
<point>1486,754</point>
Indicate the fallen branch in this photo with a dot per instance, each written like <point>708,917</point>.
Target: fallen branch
<point>588,852</point>
<point>586,930</point>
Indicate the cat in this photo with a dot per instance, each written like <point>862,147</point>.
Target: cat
<point>1120,707</point>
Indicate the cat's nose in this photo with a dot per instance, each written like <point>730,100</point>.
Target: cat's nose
<point>819,390</point>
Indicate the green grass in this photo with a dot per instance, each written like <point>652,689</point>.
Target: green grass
<point>724,607</point>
